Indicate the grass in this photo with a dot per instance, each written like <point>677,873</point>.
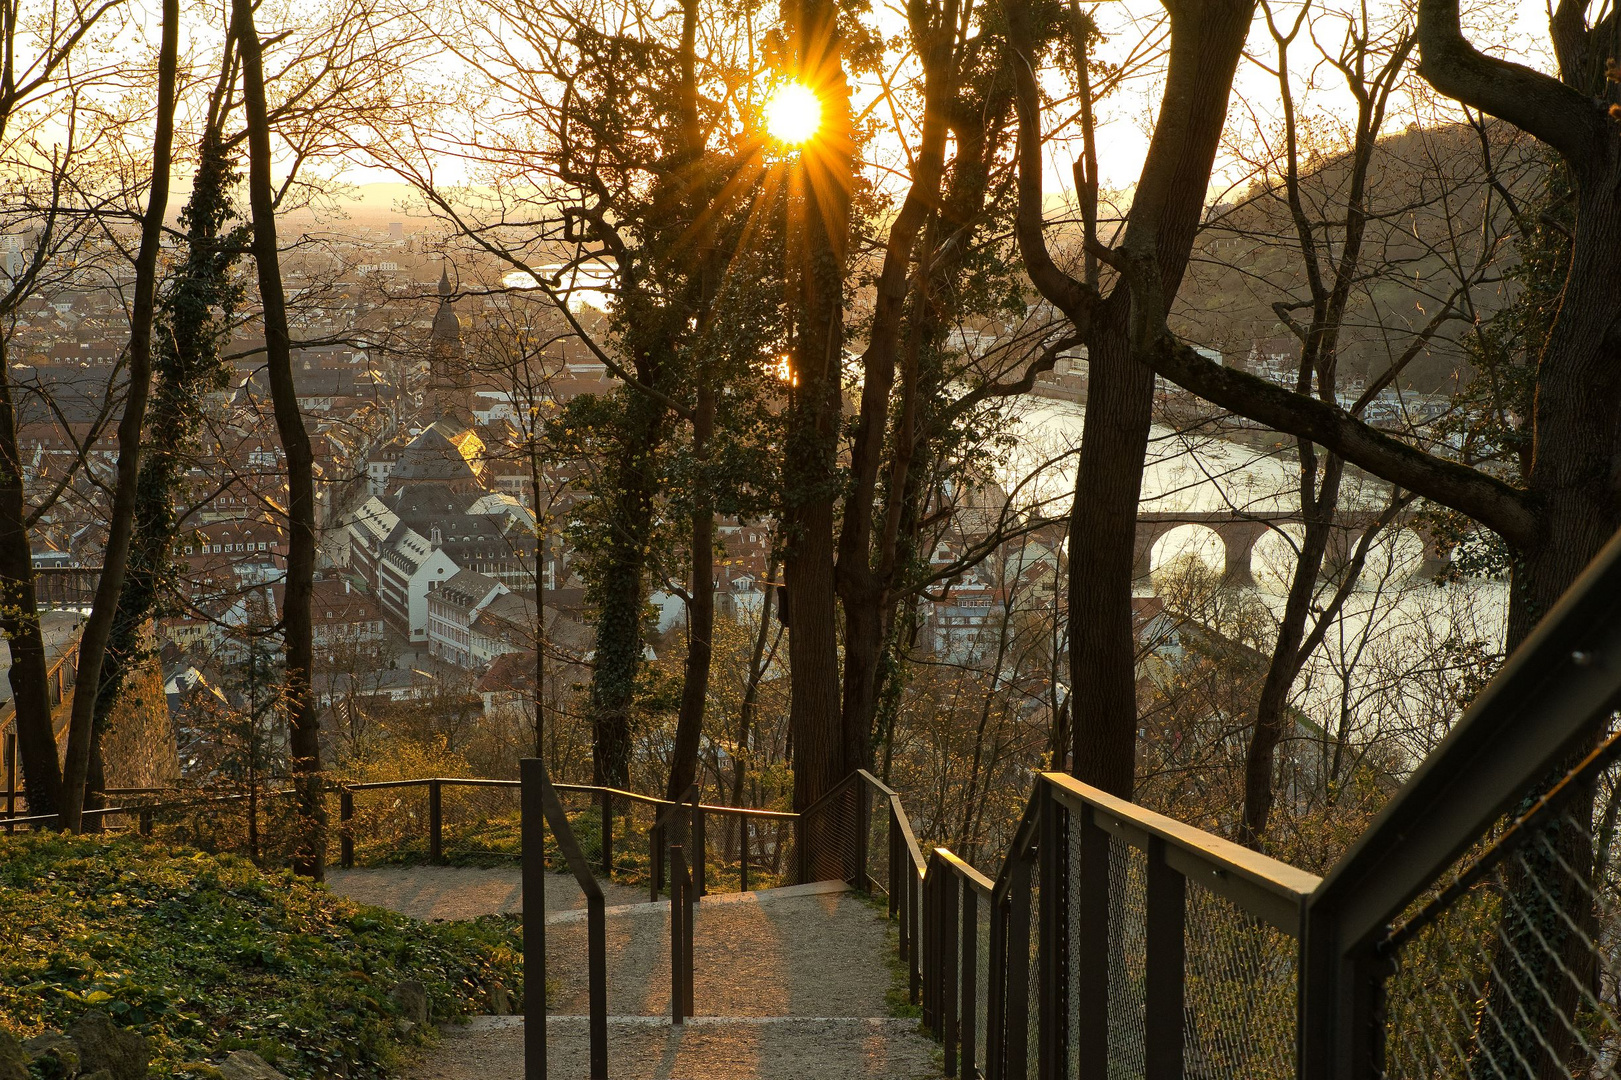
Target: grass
<point>205,954</point>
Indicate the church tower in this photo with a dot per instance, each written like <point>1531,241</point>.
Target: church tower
<point>450,395</point>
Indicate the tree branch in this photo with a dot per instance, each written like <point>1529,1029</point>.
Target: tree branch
<point>1559,115</point>
<point>1498,506</point>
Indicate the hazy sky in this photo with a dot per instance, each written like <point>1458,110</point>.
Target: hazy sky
<point>1515,28</point>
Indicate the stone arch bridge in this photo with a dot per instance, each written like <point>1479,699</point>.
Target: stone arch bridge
<point>1239,531</point>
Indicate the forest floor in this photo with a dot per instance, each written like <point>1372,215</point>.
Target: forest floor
<point>788,983</point>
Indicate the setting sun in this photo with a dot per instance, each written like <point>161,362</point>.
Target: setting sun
<point>793,114</point>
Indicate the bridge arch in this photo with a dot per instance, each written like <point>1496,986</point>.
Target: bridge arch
<point>1188,541</point>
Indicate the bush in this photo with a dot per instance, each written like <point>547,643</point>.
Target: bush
<point>207,954</point>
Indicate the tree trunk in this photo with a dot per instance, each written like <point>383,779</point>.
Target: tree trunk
<point>1102,539</point>
<point>304,743</point>
<point>98,627</point>
<point>864,588</point>
<point>1270,706</point>
<point>1206,42</point>
<point>820,234</point>
<point>19,619</point>
<point>700,606</point>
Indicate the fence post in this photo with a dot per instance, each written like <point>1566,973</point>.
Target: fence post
<point>742,853</point>
<point>346,828</point>
<point>144,821</point>
<point>436,836</point>
<point>607,833</point>
<point>678,1014</point>
<point>681,937</point>
<point>531,828</point>
<point>1165,955</point>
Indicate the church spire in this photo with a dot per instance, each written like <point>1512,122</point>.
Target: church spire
<point>449,390</point>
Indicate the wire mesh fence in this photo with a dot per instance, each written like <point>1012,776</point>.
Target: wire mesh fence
<point>1511,967</point>
<point>1128,959</point>
<point>1241,988</point>
<point>829,830</point>
<point>980,1059</point>
<point>877,838</point>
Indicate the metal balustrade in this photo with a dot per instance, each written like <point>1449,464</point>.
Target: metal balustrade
<point>1114,941</point>
<point>1473,931</point>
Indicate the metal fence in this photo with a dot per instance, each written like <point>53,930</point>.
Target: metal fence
<point>1114,942</point>
<point>1473,931</point>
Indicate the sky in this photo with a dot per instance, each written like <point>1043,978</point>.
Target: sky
<point>1125,117</point>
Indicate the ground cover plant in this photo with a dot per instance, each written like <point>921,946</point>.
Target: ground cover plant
<point>205,954</point>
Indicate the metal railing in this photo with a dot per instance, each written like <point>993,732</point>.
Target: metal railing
<point>621,832</point>
<point>1114,941</point>
<point>1474,929</point>
<point>542,809</point>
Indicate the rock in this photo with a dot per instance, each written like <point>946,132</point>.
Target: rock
<point>500,1000</point>
<point>55,1055</point>
<point>411,998</point>
<point>13,1062</point>
<point>104,1045</point>
<point>246,1065</point>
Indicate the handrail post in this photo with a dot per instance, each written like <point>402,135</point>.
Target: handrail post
<point>1165,965</point>
<point>678,937</point>
<point>532,843</point>
<point>681,937</point>
<point>436,838</point>
<point>607,832</point>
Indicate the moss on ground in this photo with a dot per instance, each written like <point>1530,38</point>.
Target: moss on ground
<point>205,954</point>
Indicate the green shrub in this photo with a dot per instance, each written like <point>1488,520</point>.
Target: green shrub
<point>205,954</point>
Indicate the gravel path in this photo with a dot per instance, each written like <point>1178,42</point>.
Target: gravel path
<point>789,984</point>
<point>726,1048</point>
<point>459,892</point>
<point>803,951</point>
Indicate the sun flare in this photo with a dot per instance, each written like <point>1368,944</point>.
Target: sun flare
<point>793,114</point>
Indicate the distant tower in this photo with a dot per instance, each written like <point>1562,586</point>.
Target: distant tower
<point>450,395</point>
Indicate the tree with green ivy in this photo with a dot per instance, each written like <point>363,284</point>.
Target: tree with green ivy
<point>666,169</point>
<point>194,320</point>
